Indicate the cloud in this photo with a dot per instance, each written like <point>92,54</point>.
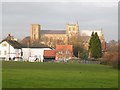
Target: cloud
<point>18,16</point>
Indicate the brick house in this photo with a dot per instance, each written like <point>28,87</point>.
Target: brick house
<point>64,52</point>
<point>61,52</point>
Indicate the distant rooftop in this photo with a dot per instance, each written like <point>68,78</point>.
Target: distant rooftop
<point>13,43</point>
<point>35,45</point>
<point>82,32</point>
<point>64,47</point>
<point>53,32</point>
<point>49,53</point>
<point>89,32</point>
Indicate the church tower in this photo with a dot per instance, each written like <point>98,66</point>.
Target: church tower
<point>35,33</point>
<point>72,31</point>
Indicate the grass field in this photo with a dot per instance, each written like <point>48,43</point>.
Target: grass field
<point>0,75</point>
<point>58,75</point>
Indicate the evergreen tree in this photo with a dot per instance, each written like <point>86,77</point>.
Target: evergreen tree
<point>95,46</point>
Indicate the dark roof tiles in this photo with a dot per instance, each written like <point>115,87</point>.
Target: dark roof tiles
<point>13,43</point>
<point>35,45</point>
<point>52,31</point>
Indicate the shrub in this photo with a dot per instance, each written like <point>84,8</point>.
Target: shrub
<point>111,58</point>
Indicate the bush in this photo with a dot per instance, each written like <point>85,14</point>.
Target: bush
<point>111,58</point>
<point>104,62</point>
<point>114,64</point>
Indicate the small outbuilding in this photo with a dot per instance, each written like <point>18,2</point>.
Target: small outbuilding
<point>49,55</point>
<point>34,52</point>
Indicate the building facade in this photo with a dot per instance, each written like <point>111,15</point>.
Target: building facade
<point>63,37</point>
<point>85,35</point>
<point>64,52</point>
<point>53,37</point>
<point>61,53</point>
<point>34,52</point>
<point>10,50</point>
<point>35,33</point>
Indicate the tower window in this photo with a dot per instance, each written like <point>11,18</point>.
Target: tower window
<point>34,36</point>
<point>69,29</point>
<point>73,28</point>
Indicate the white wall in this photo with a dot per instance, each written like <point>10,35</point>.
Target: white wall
<point>10,51</point>
<point>26,53</point>
<point>33,52</point>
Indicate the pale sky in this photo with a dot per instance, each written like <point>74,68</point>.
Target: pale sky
<point>17,17</point>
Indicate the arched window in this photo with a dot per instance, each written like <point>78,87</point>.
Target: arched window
<point>69,28</point>
<point>34,36</point>
<point>73,28</point>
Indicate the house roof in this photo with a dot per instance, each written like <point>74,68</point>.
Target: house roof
<point>17,45</point>
<point>25,40</point>
<point>35,45</point>
<point>49,53</point>
<point>89,32</point>
<point>64,47</point>
<point>52,31</point>
<point>13,43</point>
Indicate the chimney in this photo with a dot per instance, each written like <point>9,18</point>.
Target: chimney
<point>8,35</point>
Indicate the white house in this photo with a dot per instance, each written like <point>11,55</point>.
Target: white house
<point>34,51</point>
<point>13,50</point>
<point>10,50</point>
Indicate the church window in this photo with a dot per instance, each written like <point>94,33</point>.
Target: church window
<point>73,28</point>
<point>34,36</point>
<point>4,44</point>
<point>69,29</point>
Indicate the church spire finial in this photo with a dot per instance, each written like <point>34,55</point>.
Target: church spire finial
<point>77,23</point>
<point>101,33</point>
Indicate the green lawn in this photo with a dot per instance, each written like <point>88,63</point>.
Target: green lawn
<point>58,75</point>
<point>0,75</point>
